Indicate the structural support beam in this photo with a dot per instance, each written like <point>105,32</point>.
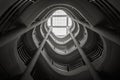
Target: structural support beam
<point>35,58</point>
<point>91,68</point>
<point>6,38</point>
<point>109,34</point>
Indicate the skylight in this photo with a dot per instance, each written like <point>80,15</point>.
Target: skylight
<point>59,21</point>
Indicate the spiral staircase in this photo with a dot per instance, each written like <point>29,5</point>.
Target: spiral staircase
<point>32,46</point>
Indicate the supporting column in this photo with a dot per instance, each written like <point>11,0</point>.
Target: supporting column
<point>5,38</point>
<point>109,34</point>
<point>91,68</point>
<point>35,58</point>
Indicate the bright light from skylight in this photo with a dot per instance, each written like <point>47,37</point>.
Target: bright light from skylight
<point>59,21</point>
<point>59,12</point>
<point>59,31</point>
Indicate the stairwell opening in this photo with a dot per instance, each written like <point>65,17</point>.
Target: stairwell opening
<point>59,21</point>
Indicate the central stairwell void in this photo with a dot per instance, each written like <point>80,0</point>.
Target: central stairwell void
<point>62,47</point>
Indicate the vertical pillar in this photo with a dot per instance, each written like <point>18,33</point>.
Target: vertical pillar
<point>5,38</point>
<point>91,68</point>
<point>35,58</point>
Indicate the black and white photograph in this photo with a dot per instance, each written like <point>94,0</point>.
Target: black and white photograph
<point>59,39</point>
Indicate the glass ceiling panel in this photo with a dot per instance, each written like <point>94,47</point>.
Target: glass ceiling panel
<point>59,20</point>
